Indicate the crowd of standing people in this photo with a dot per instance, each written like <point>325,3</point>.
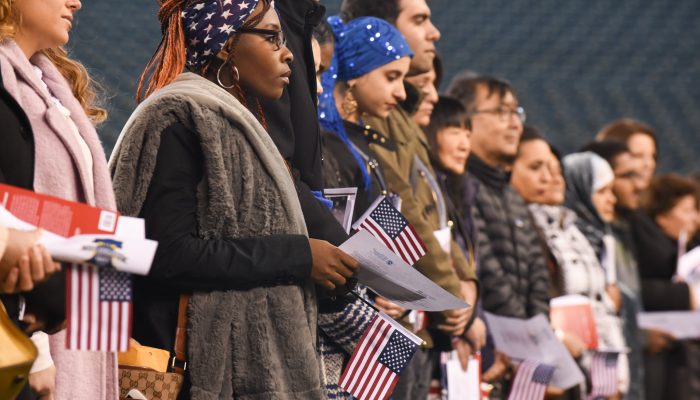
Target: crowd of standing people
<point>246,112</point>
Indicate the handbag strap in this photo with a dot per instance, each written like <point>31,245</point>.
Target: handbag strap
<point>179,362</point>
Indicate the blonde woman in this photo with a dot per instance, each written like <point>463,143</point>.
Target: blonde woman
<point>63,152</point>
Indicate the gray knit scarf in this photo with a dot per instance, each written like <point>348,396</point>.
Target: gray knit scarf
<point>252,344</point>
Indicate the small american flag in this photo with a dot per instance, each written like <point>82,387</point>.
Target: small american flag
<point>379,358</point>
<point>531,381</point>
<point>99,308</point>
<point>387,224</point>
<point>603,374</point>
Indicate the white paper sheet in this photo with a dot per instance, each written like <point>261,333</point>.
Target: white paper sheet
<point>462,385</point>
<point>533,339</point>
<point>688,269</point>
<point>128,249</point>
<point>444,237</point>
<point>388,275</point>
<point>680,324</point>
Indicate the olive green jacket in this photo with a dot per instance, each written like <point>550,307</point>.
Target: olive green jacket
<point>420,203</point>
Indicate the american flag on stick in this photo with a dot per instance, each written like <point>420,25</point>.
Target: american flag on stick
<point>531,380</point>
<point>388,225</point>
<point>382,353</point>
<point>99,308</point>
<point>603,374</point>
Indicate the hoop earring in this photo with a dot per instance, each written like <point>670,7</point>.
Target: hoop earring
<point>349,103</point>
<point>218,77</point>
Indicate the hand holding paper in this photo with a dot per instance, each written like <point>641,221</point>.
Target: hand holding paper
<point>387,274</point>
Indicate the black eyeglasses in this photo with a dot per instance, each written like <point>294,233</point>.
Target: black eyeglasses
<point>504,113</point>
<point>276,38</point>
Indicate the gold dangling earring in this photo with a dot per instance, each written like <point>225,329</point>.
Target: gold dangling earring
<point>349,103</point>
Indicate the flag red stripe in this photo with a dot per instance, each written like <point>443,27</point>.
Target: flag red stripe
<point>89,312</point>
<point>377,385</point>
<point>390,387</point>
<point>69,306</point>
<point>356,356</point>
<point>372,351</point>
<point>380,234</point>
<point>416,238</point>
<point>364,391</point>
<point>410,246</point>
<point>355,369</point>
<point>80,304</point>
<point>407,255</point>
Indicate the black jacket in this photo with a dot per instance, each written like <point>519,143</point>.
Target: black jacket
<point>512,268</point>
<point>17,169</point>
<point>292,121</point>
<point>656,257</point>
<point>341,169</point>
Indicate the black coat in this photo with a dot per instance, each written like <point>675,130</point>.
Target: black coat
<point>512,267</point>
<point>341,169</point>
<point>16,160</point>
<point>292,121</point>
<point>656,257</point>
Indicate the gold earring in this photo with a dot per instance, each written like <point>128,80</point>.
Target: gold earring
<point>349,103</point>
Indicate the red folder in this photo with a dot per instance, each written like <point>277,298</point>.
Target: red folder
<point>62,217</point>
<point>574,315</point>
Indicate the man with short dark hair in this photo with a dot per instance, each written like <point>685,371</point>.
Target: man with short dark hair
<point>411,17</point>
<point>409,173</point>
<point>512,268</point>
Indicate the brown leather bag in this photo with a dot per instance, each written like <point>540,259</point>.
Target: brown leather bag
<point>17,354</point>
<point>155,384</point>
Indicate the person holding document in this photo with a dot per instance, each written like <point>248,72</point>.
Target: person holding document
<point>668,208</point>
<point>365,78</point>
<point>56,151</point>
<point>409,173</point>
<point>538,178</point>
<point>195,161</point>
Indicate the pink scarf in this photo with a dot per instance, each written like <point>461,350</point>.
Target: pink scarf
<point>60,170</point>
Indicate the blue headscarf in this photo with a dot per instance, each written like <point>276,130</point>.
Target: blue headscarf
<point>361,46</point>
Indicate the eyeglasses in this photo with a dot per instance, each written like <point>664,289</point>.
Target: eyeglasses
<point>504,113</point>
<point>276,38</point>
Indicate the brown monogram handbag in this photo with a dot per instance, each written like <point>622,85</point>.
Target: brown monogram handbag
<point>145,380</point>
<point>17,354</point>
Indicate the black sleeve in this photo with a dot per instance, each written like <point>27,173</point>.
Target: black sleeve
<point>189,263</point>
<point>665,295</point>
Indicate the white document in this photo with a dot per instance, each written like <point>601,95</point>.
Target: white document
<point>462,385</point>
<point>343,204</point>
<point>609,263</point>
<point>533,339</point>
<point>444,237</point>
<point>127,250</point>
<point>688,269</point>
<point>388,275</point>
<point>680,324</point>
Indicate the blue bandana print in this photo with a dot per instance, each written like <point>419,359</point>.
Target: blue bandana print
<point>209,23</point>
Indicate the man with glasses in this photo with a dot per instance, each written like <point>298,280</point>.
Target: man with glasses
<point>512,268</point>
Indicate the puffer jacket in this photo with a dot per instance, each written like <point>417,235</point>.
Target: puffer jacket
<point>512,266</point>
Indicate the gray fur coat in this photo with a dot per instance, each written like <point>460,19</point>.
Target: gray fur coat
<point>252,344</point>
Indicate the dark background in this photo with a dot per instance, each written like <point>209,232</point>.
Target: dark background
<point>575,64</point>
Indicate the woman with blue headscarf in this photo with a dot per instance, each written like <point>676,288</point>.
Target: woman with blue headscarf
<point>365,79</point>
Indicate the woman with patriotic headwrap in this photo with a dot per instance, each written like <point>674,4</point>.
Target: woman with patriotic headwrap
<point>196,162</point>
